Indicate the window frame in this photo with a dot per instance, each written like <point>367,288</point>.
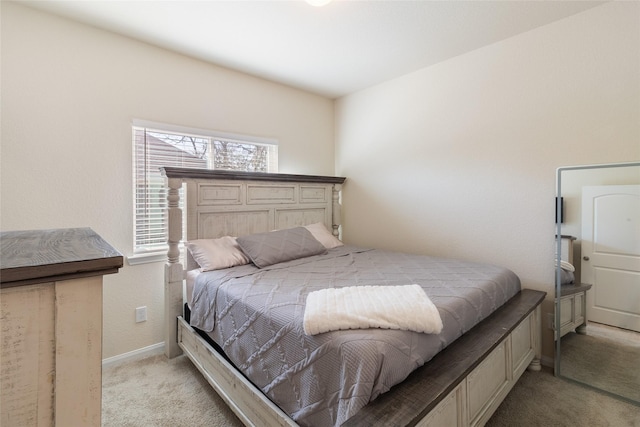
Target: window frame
<point>143,253</point>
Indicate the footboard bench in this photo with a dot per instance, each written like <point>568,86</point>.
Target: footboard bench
<point>465,383</point>
<point>462,385</point>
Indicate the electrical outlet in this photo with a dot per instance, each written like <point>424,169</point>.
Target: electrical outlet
<point>141,314</point>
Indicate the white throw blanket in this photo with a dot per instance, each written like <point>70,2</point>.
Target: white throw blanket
<point>404,307</point>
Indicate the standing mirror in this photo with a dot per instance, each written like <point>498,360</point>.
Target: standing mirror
<point>598,277</point>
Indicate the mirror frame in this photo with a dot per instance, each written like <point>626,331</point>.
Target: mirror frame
<point>557,367</point>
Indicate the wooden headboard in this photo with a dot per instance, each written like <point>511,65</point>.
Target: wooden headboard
<point>228,203</point>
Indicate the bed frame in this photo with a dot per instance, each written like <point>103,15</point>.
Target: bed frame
<point>463,385</point>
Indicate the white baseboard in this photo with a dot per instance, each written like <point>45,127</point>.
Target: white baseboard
<point>131,356</point>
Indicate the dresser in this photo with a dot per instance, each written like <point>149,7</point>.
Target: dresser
<point>51,326</point>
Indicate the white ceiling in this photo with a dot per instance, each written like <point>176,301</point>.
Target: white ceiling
<point>334,50</point>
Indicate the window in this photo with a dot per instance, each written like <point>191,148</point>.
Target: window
<point>159,145</point>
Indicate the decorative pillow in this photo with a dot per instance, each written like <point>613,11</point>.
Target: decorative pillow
<point>215,254</point>
<point>273,247</point>
<point>322,235</point>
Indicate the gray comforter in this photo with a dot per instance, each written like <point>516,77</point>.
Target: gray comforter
<point>256,316</point>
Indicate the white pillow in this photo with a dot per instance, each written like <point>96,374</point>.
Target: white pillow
<point>215,254</point>
<point>324,236</point>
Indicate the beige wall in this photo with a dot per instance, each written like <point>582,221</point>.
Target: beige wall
<point>69,94</point>
<point>459,159</point>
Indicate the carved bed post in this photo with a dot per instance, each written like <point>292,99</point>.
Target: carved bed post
<point>537,340</point>
<point>173,271</point>
<point>336,219</point>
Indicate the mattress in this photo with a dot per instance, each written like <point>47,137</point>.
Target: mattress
<point>190,282</point>
<point>256,316</point>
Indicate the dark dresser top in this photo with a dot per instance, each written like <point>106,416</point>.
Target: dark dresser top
<point>574,289</point>
<point>37,256</point>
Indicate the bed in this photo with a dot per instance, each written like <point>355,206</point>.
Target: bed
<point>249,323</point>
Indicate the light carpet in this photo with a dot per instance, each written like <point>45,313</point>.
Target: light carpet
<point>158,392</point>
<point>602,362</point>
<point>541,399</point>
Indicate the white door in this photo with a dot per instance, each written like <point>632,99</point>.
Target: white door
<point>611,254</point>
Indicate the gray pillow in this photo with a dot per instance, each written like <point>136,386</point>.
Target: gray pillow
<point>265,249</point>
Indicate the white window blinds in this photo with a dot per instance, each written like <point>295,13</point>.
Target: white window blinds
<point>156,148</point>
